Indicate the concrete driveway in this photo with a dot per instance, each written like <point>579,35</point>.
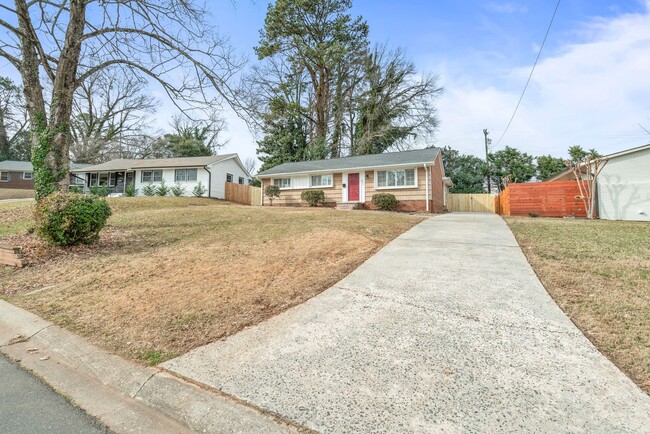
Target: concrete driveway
<point>446,329</point>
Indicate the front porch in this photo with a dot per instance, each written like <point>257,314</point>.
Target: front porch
<point>116,181</point>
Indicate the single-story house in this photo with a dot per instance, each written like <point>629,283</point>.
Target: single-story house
<point>212,172</point>
<point>416,178</point>
<point>623,186</point>
<point>20,174</point>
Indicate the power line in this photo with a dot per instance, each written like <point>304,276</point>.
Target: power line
<point>539,53</point>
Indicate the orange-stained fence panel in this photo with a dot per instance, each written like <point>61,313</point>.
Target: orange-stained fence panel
<point>544,199</point>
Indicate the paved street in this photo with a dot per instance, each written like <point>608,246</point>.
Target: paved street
<point>28,406</point>
<point>446,329</point>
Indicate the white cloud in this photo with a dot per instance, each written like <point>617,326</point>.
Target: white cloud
<point>592,93</point>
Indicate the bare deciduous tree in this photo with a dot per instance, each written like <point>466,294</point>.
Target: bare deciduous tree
<point>66,42</point>
<point>586,166</point>
<point>250,164</point>
<point>110,110</point>
<point>13,117</point>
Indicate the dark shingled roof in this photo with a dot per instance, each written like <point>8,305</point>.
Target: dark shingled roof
<point>418,156</point>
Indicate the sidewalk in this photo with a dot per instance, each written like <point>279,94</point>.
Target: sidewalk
<point>126,397</point>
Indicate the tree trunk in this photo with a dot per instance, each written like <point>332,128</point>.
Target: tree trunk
<point>4,138</point>
<point>51,137</point>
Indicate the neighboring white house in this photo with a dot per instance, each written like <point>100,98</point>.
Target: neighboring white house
<point>623,186</point>
<point>212,172</point>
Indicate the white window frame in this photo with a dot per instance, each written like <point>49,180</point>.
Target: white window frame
<point>309,186</point>
<point>229,177</point>
<point>280,184</point>
<point>396,187</point>
<point>6,175</point>
<point>152,175</point>
<point>241,180</point>
<point>28,178</point>
<point>330,185</point>
<point>186,173</point>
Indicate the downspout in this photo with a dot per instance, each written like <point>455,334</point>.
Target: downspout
<point>209,181</point>
<point>426,174</point>
<point>261,192</point>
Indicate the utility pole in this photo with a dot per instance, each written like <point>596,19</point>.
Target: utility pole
<point>487,161</point>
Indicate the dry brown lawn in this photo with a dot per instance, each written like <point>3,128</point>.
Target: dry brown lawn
<point>599,274</point>
<point>170,274</point>
<point>16,193</point>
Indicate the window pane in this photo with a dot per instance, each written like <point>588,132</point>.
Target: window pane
<point>191,174</point>
<point>381,179</point>
<point>157,175</point>
<point>390,178</point>
<point>93,179</point>
<point>180,175</point>
<point>4,176</point>
<point>241,180</point>
<point>316,181</point>
<point>103,178</point>
<point>27,175</point>
<point>286,183</point>
<point>228,177</point>
<point>146,176</point>
<point>400,178</point>
<point>410,176</point>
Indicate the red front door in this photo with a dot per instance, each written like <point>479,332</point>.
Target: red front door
<point>353,187</point>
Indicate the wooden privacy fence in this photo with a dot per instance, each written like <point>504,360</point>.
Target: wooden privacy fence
<point>244,194</point>
<point>481,202</point>
<point>543,199</point>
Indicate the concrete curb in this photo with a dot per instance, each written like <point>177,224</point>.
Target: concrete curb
<point>126,397</point>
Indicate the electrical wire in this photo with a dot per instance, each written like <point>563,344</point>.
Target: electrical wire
<point>539,53</point>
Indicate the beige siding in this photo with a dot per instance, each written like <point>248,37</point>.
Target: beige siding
<point>291,197</point>
<point>412,193</point>
<point>412,198</point>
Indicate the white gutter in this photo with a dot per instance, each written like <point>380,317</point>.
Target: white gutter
<point>426,174</point>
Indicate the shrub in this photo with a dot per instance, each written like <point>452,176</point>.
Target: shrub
<point>255,182</point>
<point>199,190</point>
<point>272,191</point>
<point>162,189</point>
<point>130,190</point>
<point>385,201</point>
<point>66,219</point>
<point>149,190</point>
<point>100,190</point>
<point>313,197</point>
<point>177,190</point>
<point>75,189</point>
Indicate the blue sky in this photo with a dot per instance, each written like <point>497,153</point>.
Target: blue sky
<point>591,87</point>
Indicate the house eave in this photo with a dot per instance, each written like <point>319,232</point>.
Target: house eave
<point>345,169</point>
